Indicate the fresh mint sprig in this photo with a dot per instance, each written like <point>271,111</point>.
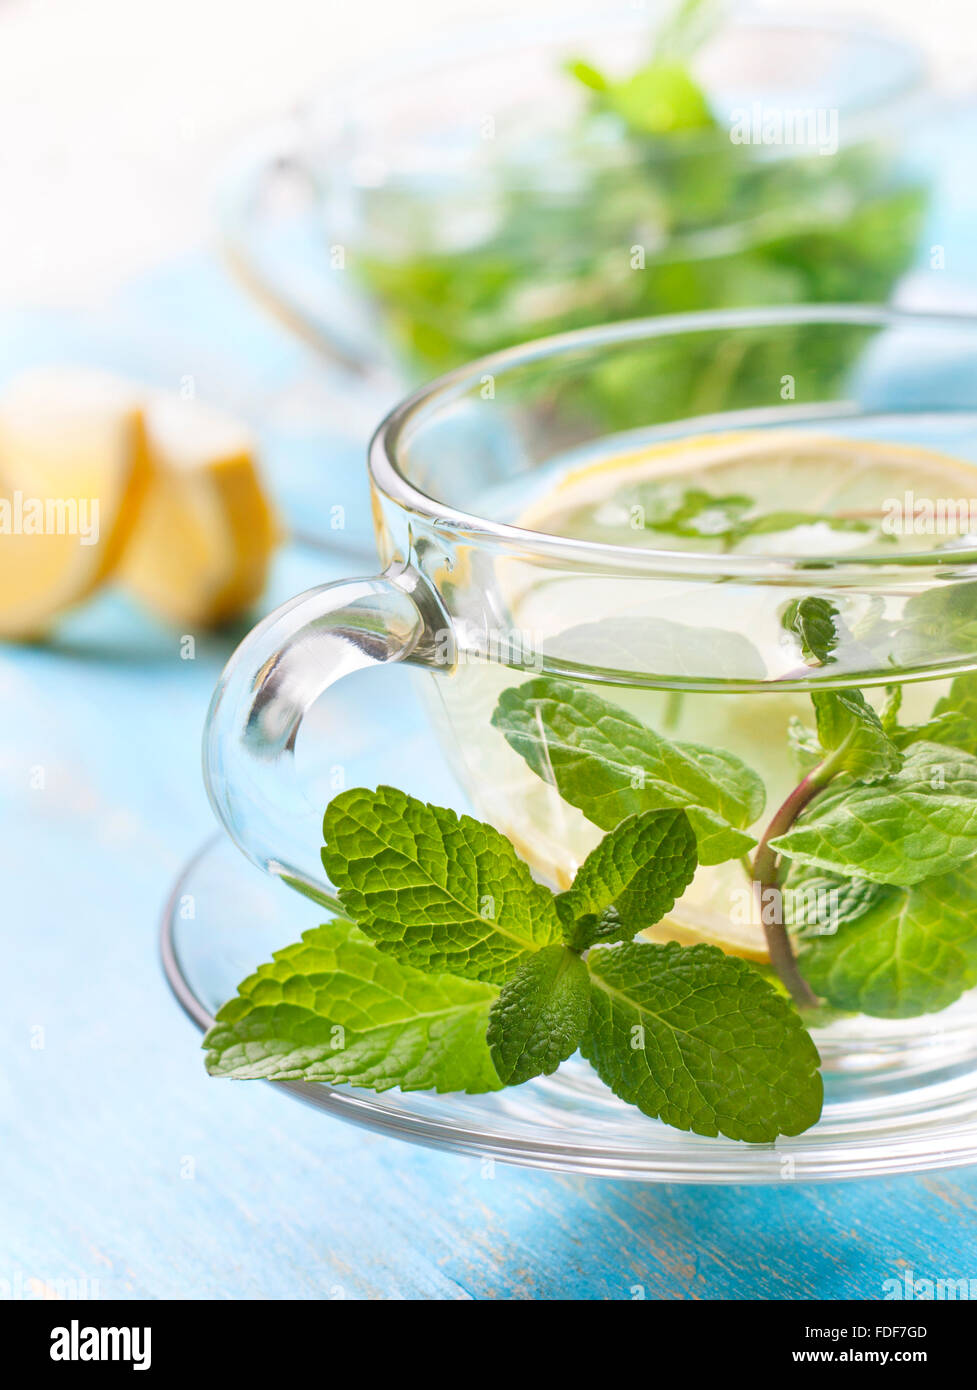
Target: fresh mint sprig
<point>630,881</point>
<point>530,978</point>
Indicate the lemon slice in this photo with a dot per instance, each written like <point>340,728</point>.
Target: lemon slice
<point>788,472</point>
<point>202,549</point>
<point>73,474</point>
<point>783,471</point>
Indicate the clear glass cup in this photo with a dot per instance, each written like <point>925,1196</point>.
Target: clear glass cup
<point>483,589</point>
<point>471,206</point>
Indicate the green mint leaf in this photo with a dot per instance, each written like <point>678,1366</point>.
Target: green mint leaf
<point>849,728</point>
<point>951,727</point>
<point>961,699</point>
<point>587,74</point>
<point>914,952</point>
<point>630,880</point>
<point>954,718</point>
<point>610,765</point>
<point>540,1015</point>
<point>692,512</point>
<point>815,622</point>
<point>771,523</point>
<point>938,624</point>
<point>699,1040</point>
<point>438,890</point>
<point>953,721</point>
<point>816,902</point>
<point>658,99</point>
<point>333,1008</point>
<point>920,822</point>
<point>803,743</point>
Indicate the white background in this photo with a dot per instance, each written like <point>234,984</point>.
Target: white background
<point>116,114</point>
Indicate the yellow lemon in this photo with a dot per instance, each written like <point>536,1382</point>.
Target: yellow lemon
<point>201,551</point>
<point>74,469</point>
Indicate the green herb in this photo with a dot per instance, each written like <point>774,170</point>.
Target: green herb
<point>803,741</point>
<point>630,880</point>
<point>652,169</point>
<point>938,624</point>
<point>438,890</point>
<point>698,1039</point>
<point>822,901</point>
<point>851,731</point>
<point>913,952</point>
<point>462,972</point>
<point>660,98</point>
<point>693,513</point>
<point>916,823</point>
<point>953,721</point>
<point>333,1008</point>
<point>879,810</point>
<point>540,1015</point>
<point>711,1046</point>
<point>610,765</point>
<point>815,622</point>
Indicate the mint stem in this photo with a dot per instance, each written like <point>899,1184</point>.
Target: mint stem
<point>766,875</point>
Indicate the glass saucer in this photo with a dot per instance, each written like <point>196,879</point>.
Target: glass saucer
<point>224,917</point>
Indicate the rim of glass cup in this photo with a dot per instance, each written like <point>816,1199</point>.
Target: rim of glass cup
<point>394,431</point>
<point>864,119</point>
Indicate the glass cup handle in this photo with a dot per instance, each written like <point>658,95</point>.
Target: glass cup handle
<point>273,679</point>
<point>289,277</point>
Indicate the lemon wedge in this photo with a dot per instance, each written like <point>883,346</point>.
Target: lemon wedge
<point>74,468</point>
<point>201,551</point>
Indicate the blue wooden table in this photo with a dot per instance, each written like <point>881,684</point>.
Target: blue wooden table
<point>128,1172</point>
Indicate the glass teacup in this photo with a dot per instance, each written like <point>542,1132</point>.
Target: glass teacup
<point>477,199</point>
<point>685,537</point>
